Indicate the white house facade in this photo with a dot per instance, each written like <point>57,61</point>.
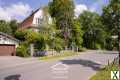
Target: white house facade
<point>34,20</point>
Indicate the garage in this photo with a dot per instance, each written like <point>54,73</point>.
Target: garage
<point>7,50</point>
<point>8,45</point>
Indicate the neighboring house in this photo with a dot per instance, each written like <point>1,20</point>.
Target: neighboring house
<point>34,20</point>
<point>8,45</point>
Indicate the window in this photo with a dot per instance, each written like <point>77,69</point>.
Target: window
<point>38,21</point>
<point>0,37</point>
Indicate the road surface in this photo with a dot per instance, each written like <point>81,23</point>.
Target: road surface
<point>80,67</point>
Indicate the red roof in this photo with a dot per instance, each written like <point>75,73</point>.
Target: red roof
<point>27,23</point>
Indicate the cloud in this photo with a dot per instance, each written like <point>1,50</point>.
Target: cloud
<point>14,11</point>
<point>79,9</point>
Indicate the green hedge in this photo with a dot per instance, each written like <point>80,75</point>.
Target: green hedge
<point>22,51</point>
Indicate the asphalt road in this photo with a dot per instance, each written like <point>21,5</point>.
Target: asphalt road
<point>80,67</point>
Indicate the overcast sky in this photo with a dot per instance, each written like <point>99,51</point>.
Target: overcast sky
<point>20,9</point>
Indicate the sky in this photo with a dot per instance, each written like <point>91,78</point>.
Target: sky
<point>20,9</point>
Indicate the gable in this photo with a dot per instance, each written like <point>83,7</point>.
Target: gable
<point>37,17</point>
<point>6,39</point>
<point>27,22</point>
<point>34,20</point>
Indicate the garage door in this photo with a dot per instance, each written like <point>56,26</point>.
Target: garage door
<point>7,50</point>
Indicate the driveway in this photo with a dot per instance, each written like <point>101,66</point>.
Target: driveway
<point>80,67</point>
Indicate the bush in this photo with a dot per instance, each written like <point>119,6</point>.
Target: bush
<point>37,39</point>
<point>58,44</point>
<point>82,49</point>
<point>20,34</point>
<point>22,51</point>
<point>40,44</point>
<point>97,46</point>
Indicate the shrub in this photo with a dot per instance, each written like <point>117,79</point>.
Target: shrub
<point>37,39</point>
<point>22,51</point>
<point>58,44</point>
<point>97,46</point>
<point>82,49</point>
<point>40,45</point>
<point>20,34</point>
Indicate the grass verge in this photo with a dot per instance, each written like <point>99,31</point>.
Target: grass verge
<point>105,74</point>
<point>60,56</point>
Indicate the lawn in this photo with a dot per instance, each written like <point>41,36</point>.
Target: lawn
<point>105,74</point>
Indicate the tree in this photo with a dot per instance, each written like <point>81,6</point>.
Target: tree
<point>14,25</point>
<point>30,40</point>
<point>4,27</point>
<point>77,34</point>
<point>37,39</point>
<point>93,36</point>
<point>63,13</point>
<point>58,44</point>
<point>22,51</point>
<point>20,34</point>
<point>111,18</point>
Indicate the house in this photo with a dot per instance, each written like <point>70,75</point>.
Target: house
<point>8,45</point>
<point>34,20</point>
